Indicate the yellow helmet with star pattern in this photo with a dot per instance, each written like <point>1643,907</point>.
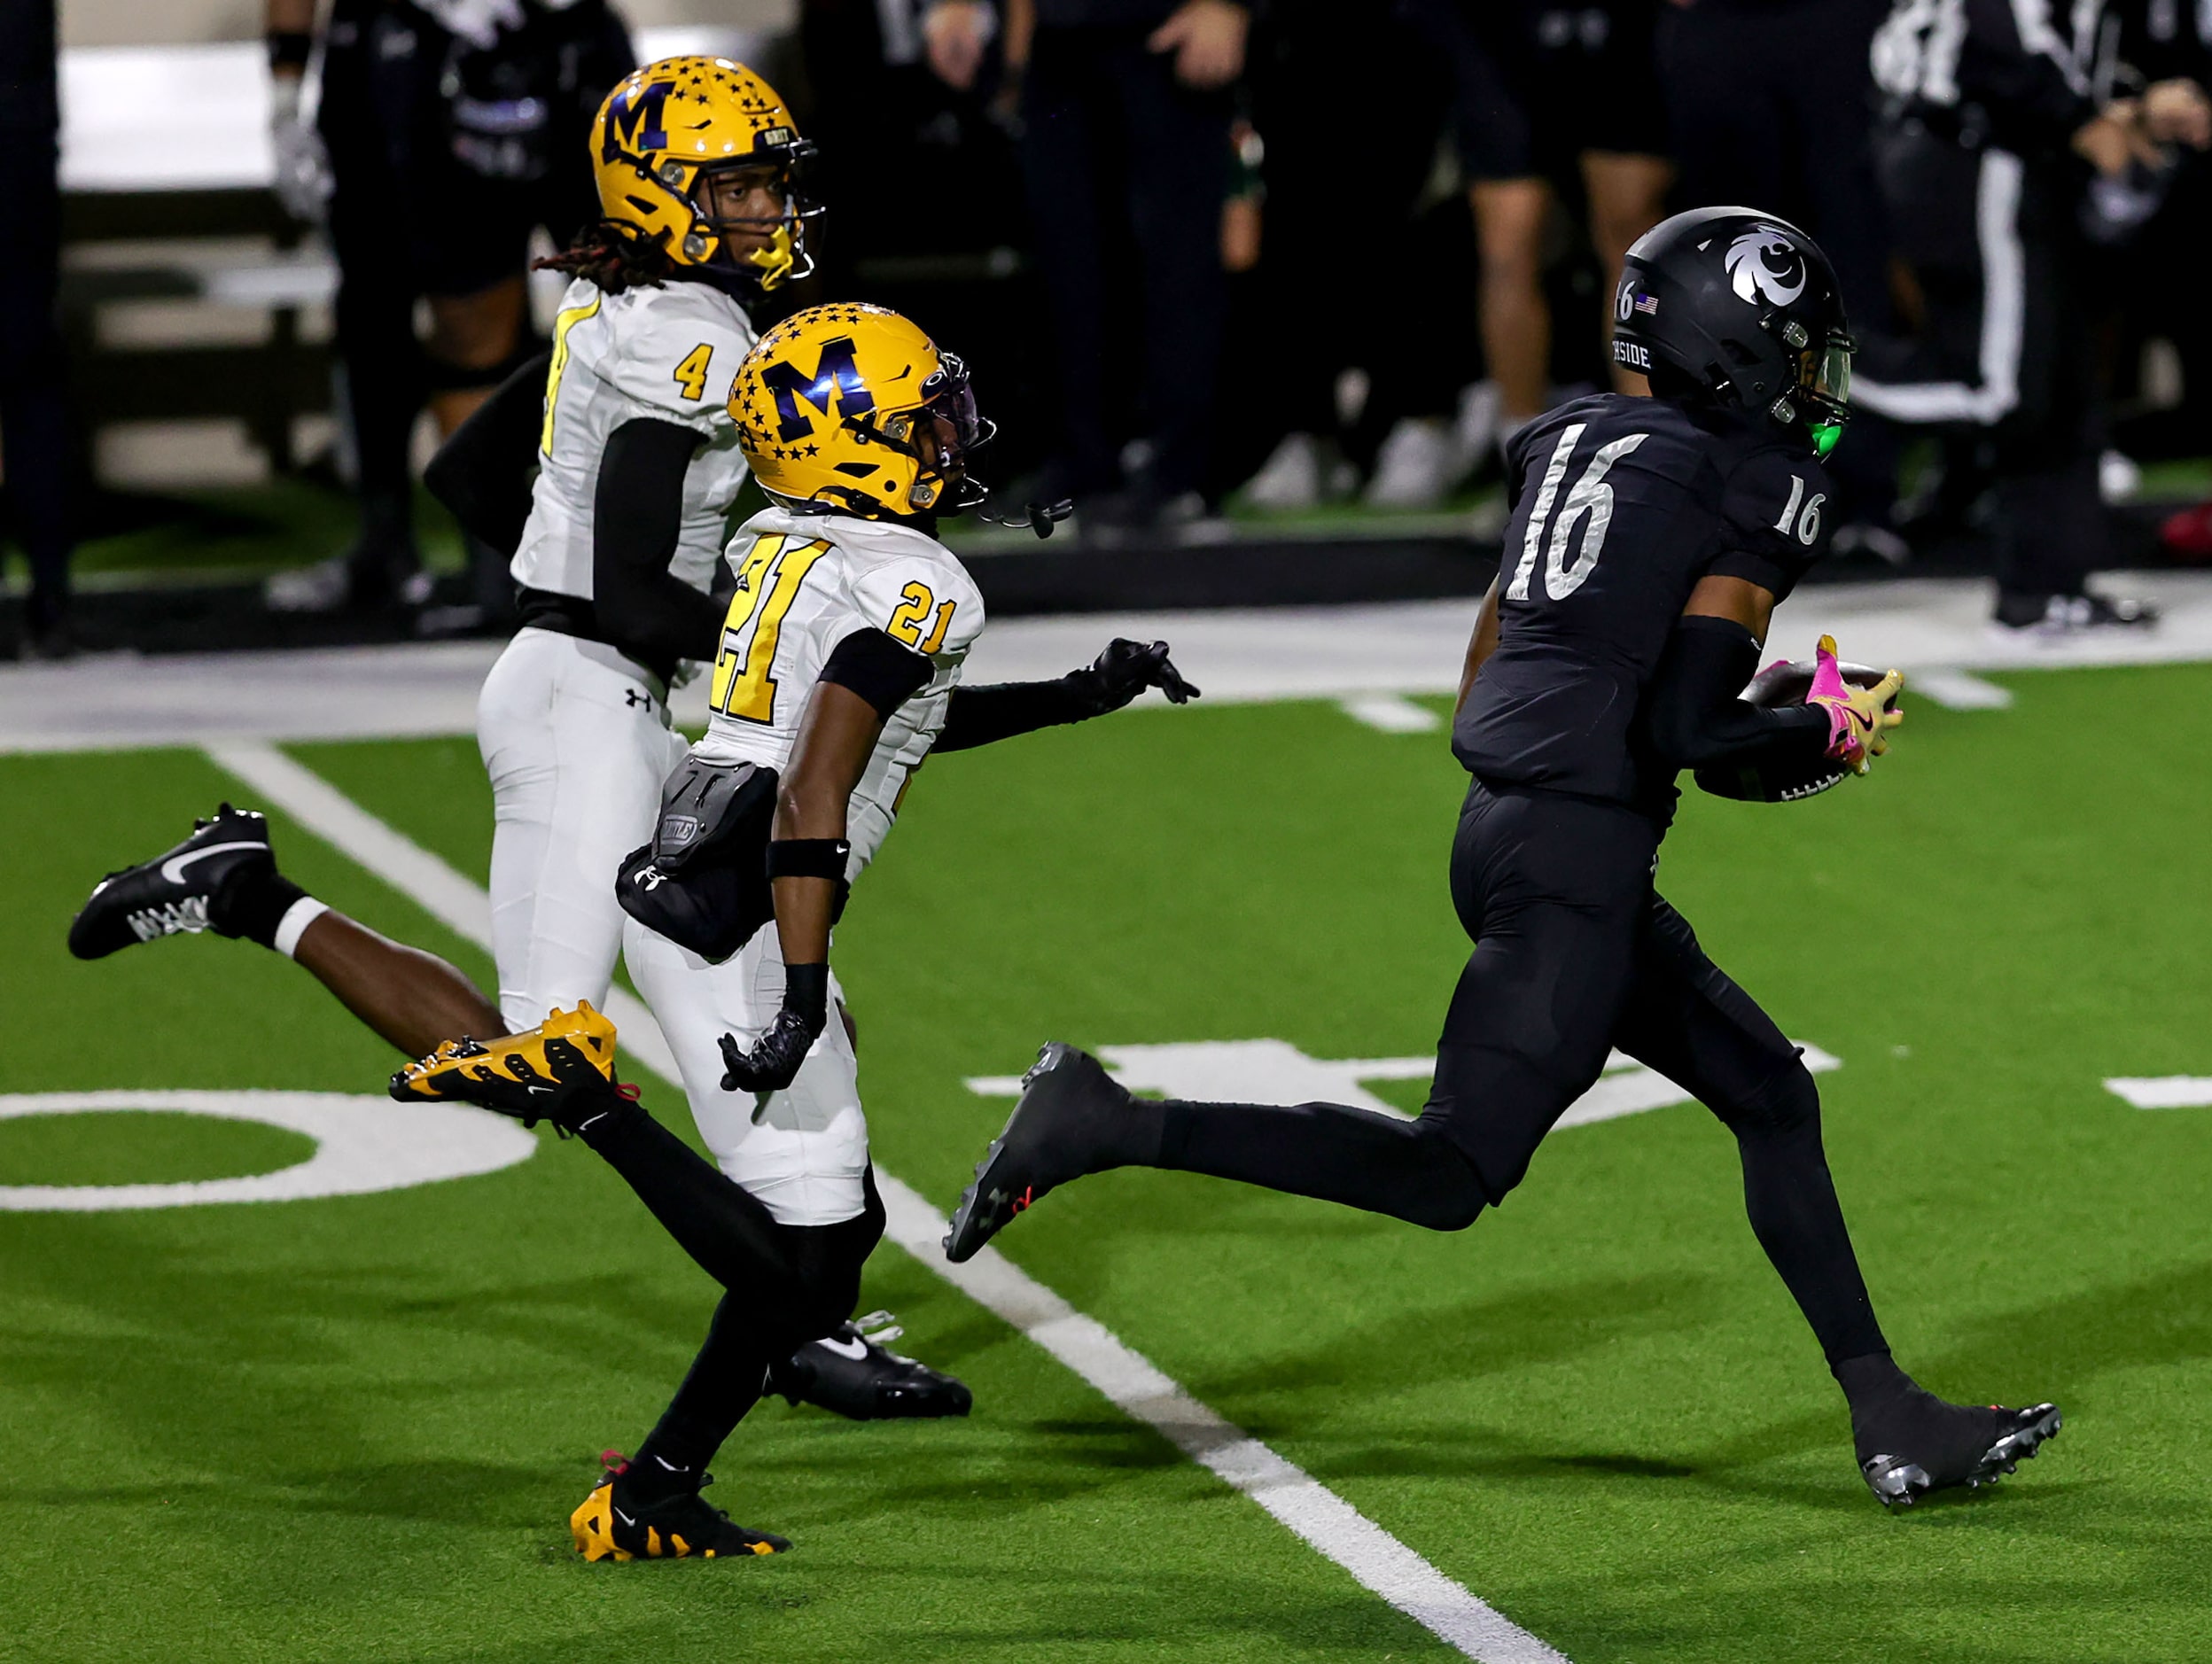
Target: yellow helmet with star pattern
<point>666,126</point>
<point>852,407</point>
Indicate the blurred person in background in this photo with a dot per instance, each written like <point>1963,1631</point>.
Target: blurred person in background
<point>1750,124</point>
<point>923,79</point>
<point>1543,90</point>
<point>1125,109</point>
<point>1285,431</point>
<point>33,426</point>
<point>447,131</point>
<point>2005,122</point>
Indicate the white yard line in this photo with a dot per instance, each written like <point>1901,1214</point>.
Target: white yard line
<point>1325,1520</point>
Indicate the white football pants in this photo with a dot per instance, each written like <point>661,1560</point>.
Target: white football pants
<point>576,740</point>
<point>802,1151</point>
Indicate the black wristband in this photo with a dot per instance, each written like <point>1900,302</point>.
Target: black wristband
<point>806,990</point>
<point>290,49</point>
<point>808,857</point>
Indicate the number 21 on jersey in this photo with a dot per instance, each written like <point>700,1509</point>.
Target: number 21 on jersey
<point>768,583</point>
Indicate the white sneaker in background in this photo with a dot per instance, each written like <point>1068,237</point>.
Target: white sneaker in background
<point>1290,479</point>
<point>322,587</point>
<point>2118,477</point>
<point>1482,407</point>
<point>1418,466</point>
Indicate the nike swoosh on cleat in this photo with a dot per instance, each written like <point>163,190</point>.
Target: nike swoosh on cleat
<point>855,1349</point>
<point>173,869</point>
<point>541,1090</point>
<point>624,1518</point>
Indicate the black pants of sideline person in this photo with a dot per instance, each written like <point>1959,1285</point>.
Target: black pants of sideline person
<point>1575,954</point>
<point>34,416</point>
<point>2003,355</point>
<point>1770,103</point>
<point>1115,150</point>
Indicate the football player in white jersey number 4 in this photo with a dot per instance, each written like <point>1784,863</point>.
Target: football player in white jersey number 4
<point>834,675</point>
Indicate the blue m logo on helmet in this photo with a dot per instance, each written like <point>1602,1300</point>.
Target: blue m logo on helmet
<point>837,377</point>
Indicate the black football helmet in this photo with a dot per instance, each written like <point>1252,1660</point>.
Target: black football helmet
<point>1744,306</point>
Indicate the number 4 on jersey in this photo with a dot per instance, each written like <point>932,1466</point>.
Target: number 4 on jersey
<point>1591,497</point>
<point>691,374</point>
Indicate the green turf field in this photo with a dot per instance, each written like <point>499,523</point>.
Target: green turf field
<point>352,1429</point>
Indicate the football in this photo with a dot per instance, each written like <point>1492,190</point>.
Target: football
<point>1784,682</point>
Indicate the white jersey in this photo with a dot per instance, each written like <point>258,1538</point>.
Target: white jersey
<point>660,354</point>
<point>805,582</point>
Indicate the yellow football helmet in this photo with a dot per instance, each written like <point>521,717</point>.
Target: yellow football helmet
<point>672,122</point>
<point>852,406</point>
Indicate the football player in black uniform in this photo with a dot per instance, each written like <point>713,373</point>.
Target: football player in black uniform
<point>1649,541</point>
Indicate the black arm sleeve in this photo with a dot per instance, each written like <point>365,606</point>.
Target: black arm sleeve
<point>482,472</point>
<point>1695,717</point>
<point>983,716</point>
<point>644,609</point>
<point>876,666</point>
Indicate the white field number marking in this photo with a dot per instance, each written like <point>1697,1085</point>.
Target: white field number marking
<point>362,1144</point>
<point>1323,1519</point>
<point>1276,1072</point>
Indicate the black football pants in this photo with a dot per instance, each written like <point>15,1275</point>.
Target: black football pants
<point>34,377</point>
<point>1115,148</point>
<point>1575,954</point>
<point>2004,355</point>
<point>784,1285</point>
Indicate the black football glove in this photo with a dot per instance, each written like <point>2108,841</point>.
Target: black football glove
<point>1125,670</point>
<point>774,1063</point>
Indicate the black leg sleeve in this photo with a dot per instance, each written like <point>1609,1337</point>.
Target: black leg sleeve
<point>1688,1020</point>
<point>723,1383</point>
<point>800,1282</point>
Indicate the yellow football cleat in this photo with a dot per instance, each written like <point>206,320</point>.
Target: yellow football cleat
<point>612,1525</point>
<point>561,1071</point>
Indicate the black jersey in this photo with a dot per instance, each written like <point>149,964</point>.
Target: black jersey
<point>1619,506</point>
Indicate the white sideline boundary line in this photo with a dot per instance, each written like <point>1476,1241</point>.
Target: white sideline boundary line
<point>1328,1524</point>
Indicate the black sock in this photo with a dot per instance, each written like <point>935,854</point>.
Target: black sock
<point>735,1240</point>
<point>1893,1415</point>
<point>1790,1198</point>
<point>1336,1153</point>
<point>251,903</point>
<point>725,1381</point>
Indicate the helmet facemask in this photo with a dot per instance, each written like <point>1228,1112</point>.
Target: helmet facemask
<point>785,257</point>
<point>940,434</point>
<point>1820,399</point>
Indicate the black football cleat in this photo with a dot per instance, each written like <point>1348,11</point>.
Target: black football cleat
<point>176,890</point>
<point>1071,1120</point>
<point>853,1372</point>
<point>1978,1447</point>
<point>615,1523</point>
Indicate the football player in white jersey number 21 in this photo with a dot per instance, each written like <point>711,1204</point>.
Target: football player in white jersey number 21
<point>807,676</point>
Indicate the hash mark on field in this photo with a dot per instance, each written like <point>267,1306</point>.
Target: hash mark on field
<point>2165,1092</point>
<point>1392,713</point>
<point>1957,690</point>
<point>1309,1509</point>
